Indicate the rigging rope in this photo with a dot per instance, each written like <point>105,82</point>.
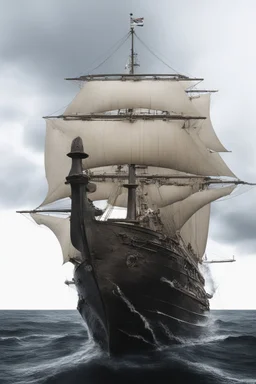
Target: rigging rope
<point>236,193</point>
<point>154,54</point>
<point>119,43</point>
<point>164,62</point>
<point>123,40</point>
<point>28,217</point>
<point>125,37</point>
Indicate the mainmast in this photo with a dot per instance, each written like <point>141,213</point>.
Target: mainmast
<point>131,205</point>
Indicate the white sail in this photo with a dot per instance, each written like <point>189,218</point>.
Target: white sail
<point>102,96</point>
<point>204,127</point>
<point>176,215</point>
<point>61,228</point>
<point>166,194</point>
<point>156,143</point>
<point>195,230</point>
<point>107,191</point>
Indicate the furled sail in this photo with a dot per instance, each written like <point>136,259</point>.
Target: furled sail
<point>154,143</point>
<point>61,228</point>
<point>140,171</point>
<point>204,128</point>
<point>108,95</point>
<point>155,196</point>
<point>195,230</point>
<point>176,215</point>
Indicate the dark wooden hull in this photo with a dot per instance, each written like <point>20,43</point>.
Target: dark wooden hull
<point>139,290</point>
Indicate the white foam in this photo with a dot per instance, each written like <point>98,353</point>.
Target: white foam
<point>132,309</point>
<point>135,336</point>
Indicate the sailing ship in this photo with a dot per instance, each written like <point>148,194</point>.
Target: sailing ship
<point>144,142</point>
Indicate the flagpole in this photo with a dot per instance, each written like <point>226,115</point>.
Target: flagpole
<point>132,49</point>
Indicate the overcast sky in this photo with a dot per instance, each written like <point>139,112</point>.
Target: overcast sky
<point>42,42</point>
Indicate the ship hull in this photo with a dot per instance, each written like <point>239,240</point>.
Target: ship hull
<point>139,290</point>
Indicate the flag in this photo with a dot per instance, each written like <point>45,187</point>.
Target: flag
<point>139,22</point>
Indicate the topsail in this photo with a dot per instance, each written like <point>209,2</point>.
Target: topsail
<point>111,95</point>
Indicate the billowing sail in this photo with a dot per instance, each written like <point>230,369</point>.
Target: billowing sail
<point>108,95</point>
<point>195,230</point>
<point>61,228</point>
<point>176,215</point>
<point>155,143</point>
<point>166,194</point>
<point>204,128</point>
<point>107,191</point>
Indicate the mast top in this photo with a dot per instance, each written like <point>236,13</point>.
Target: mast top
<point>132,44</point>
<point>131,26</point>
<point>139,22</point>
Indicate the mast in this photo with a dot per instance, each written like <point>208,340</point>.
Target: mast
<point>131,205</point>
<point>132,48</point>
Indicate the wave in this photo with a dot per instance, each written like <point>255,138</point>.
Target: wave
<point>58,354</point>
<point>24,331</point>
<point>219,375</point>
<point>43,323</point>
<point>5,332</point>
<point>216,343</point>
<point>157,368</point>
<point>28,337</point>
<point>88,365</point>
<point>54,341</point>
<point>225,323</point>
<point>242,340</point>
<point>55,365</point>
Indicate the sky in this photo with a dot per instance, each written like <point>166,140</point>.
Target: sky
<point>41,43</point>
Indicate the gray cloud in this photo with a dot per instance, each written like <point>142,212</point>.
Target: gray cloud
<point>11,114</point>
<point>22,183</point>
<point>238,225</point>
<point>61,38</point>
<point>233,220</point>
<point>34,134</point>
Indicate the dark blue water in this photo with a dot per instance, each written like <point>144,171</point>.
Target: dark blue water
<point>53,347</point>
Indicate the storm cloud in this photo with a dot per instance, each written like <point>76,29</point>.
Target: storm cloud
<point>42,42</point>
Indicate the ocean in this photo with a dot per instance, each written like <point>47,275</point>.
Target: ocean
<point>53,347</point>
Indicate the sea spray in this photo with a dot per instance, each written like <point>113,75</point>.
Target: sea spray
<point>210,284</point>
